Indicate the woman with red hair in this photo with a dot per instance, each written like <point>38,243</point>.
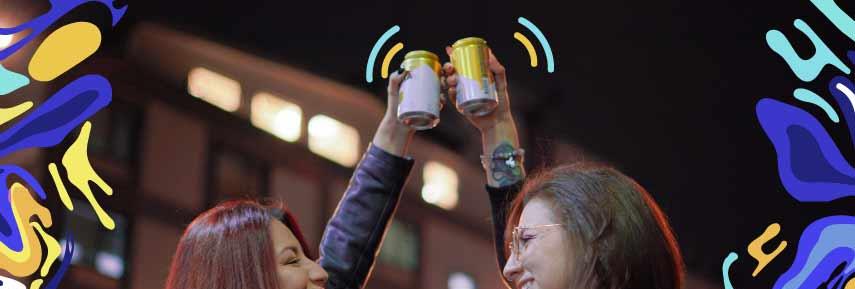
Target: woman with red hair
<point>245,244</point>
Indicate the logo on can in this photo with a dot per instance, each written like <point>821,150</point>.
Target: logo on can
<point>420,102</point>
<point>476,87</point>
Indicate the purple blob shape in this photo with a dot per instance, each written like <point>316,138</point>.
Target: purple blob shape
<point>58,9</point>
<point>9,234</point>
<point>66,261</point>
<point>48,124</point>
<point>810,165</point>
<point>838,245</point>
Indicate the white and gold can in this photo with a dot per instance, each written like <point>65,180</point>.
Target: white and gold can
<point>419,94</point>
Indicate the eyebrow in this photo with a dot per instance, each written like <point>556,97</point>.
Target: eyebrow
<point>292,248</point>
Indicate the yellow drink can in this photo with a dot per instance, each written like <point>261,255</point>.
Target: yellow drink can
<point>476,86</point>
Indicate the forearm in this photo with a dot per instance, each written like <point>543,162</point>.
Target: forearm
<point>354,233</point>
<point>392,136</point>
<point>499,139</point>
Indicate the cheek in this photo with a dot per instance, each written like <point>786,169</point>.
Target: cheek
<point>551,266</point>
<point>292,278</point>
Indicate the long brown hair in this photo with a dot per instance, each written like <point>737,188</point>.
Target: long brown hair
<point>622,236</point>
<point>229,247</point>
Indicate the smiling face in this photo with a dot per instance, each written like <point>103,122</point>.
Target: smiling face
<point>293,269</point>
<point>545,257</point>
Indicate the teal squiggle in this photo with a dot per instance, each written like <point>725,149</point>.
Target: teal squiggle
<point>805,69</point>
<point>369,68</point>
<point>811,97</point>
<point>550,63</point>
<point>725,269</point>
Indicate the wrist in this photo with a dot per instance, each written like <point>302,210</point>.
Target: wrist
<point>393,136</point>
<point>392,126</point>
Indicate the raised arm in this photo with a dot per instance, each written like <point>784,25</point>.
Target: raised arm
<point>353,235</point>
<point>502,157</point>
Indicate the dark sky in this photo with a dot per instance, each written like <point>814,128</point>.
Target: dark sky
<point>663,89</point>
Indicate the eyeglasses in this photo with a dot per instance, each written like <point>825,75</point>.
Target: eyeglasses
<point>518,244</point>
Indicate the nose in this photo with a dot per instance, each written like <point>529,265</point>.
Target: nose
<point>512,268</point>
<point>318,275</point>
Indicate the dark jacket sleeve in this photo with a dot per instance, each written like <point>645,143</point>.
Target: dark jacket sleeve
<point>353,235</point>
<point>500,201</point>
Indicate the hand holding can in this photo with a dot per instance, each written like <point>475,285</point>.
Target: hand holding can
<point>501,114</point>
<point>476,85</point>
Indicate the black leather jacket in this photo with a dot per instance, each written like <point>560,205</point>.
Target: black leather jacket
<point>352,237</point>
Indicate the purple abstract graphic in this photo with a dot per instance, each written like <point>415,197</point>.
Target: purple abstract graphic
<point>810,164</point>
<point>825,255</point>
<point>9,234</point>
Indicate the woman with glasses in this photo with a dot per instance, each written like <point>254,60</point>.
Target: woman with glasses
<point>589,226</point>
<point>577,226</point>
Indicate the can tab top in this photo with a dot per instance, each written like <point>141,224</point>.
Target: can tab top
<point>421,54</point>
<point>469,41</point>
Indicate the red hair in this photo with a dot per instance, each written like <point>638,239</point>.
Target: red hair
<point>229,247</point>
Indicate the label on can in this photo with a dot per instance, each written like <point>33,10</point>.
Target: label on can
<point>419,97</point>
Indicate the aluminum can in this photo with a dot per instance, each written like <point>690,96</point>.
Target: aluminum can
<point>420,102</point>
<point>476,86</point>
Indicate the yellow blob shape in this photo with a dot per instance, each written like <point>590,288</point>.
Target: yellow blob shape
<point>52,245</point>
<point>60,186</point>
<point>7,114</point>
<point>80,172</point>
<point>36,284</point>
<point>532,55</point>
<point>26,262</point>
<point>384,70</point>
<point>63,49</point>
<point>755,248</point>
<point>850,284</point>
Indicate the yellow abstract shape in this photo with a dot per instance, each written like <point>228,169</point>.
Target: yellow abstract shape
<point>7,114</point>
<point>36,284</point>
<point>60,186</point>
<point>384,70</point>
<point>26,262</point>
<point>80,172</point>
<point>755,248</point>
<point>532,55</point>
<point>850,284</point>
<point>63,49</point>
<point>53,248</point>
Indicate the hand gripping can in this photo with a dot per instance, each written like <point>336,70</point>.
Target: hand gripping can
<point>419,102</point>
<point>476,87</point>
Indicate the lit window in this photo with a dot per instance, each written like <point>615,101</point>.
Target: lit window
<point>401,246</point>
<point>279,117</point>
<point>440,185</point>
<point>334,140</point>
<point>5,40</point>
<point>458,280</point>
<point>95,246</point>
<point>214,88</point>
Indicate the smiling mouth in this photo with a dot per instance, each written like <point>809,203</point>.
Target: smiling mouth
<point>525,284</point>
